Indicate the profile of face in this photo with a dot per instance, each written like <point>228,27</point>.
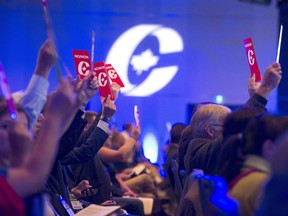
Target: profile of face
<point>38,124</point>
<point>208,120</point>
<point>16,139</point>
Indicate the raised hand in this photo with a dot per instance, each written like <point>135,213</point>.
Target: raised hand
<point>271,80</point>
<point>90,86</point>
<point>115,90</point>
<point>136,132</point>
<point>252,85</point>
<point>47,57</point>
<point>60,110</point>
<point>108,107</point>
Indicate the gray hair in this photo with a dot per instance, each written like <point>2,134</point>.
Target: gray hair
<point>205,115</point>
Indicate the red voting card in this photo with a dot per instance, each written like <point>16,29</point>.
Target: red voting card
<point>113,75</point>
<point>251,56</point>
<point>103,80</point>
<point>82,63</point>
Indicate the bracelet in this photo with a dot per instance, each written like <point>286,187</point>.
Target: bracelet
<point>105,118</point>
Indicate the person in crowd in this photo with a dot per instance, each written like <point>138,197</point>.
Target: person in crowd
<point>207,128</point>
<point>142,183</point>
<point>127,130</point>
<point>234,126</point>
<point>185,139</point>
<point>95,172</point>
<point>255,150</point>
<point>139,162</point>
<point>109,155</point>
<point>274,200</point>
<point>29,177</point>
<point>172,149</point>
<point>257,100</point>
<point>34,97</point>
<point>71,153</point>
<point>207,124</point>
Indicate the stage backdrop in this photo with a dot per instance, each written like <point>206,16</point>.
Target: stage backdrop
<point>169,54</point>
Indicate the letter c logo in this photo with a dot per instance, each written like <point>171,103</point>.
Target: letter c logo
<point>82,68</point>
<point>123,48</point>
<point>251,59</point>
<point>112,74</point>
<point>102,78</point>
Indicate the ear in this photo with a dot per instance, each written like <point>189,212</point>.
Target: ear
<point>209,131</point>
<point>268,148</point>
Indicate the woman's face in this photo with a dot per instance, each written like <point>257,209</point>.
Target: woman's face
<point>16,138</point>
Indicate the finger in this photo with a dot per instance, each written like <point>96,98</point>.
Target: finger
<point>84,183</point>
<point>64,83</point>
<point>89,192</point>
<point>84,193</point>
<point>253,78</point>
<point>94,191</point>
<point>88,78</point>
<point>79,86</point>
<point>94,84</point>
<point>275,64</point>
<point>108,100</point>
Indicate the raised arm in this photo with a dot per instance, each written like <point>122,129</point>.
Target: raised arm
<point>28,178</point>
<point>69,139</point>
<point>88,149</point>
<point>35,95</point>
<point>109,155</point>
<point>271,80</point>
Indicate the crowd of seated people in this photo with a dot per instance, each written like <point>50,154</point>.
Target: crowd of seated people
<point>237,146</point>
<point>58,161</point>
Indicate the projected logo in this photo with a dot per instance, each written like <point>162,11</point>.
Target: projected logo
<point>122,56</point>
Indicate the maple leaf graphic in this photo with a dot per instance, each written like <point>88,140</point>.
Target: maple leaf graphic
<point>143,61</point>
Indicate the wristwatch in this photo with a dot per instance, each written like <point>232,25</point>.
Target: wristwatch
<point>105,118</point>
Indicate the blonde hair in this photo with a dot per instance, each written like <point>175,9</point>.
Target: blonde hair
<point>205,115</point>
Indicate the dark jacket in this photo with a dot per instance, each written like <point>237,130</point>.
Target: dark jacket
<point>202,154</point>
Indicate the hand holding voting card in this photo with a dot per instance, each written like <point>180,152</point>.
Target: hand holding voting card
<point>105,73</point>
<point>103,80</point>
<point>113,75</point>
<point>251,57</point>
<point>82,63</point>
